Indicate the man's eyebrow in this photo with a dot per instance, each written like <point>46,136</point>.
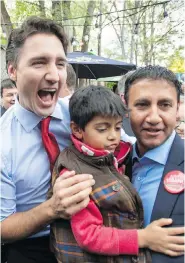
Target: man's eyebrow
<point>38,57</point>
<point>166,100</point>
<point>63,59</point>
<point>46,58</point>
<point>142,100</point>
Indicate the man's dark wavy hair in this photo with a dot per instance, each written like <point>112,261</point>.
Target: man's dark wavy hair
<point>31,26</point>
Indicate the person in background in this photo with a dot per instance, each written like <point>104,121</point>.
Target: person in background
<point>109,229</point>
<point>180,125</point>
<point>152,94</point>
<point>183,88</point>
<point>36,61</point>
<point>70,85</point>
<point>115,88</point>
<point>126,122</point>
<point>8,94</point>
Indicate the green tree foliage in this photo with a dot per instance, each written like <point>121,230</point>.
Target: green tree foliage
<point>24,9</point>
<point>176,61</point>
<point>143,34</point>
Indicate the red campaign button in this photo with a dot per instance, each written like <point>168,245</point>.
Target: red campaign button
<point>174,182</point>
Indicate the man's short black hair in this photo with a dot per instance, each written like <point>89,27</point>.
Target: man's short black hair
<point>86,103</point>
<point>154,73</point>
<point>6,84</point>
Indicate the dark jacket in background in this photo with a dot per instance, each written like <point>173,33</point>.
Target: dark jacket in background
<point>3,110</point>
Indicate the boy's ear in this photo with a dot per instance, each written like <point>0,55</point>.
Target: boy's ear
<point>76,130</point>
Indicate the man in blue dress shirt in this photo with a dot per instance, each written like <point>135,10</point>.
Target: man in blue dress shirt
<point>152,94</point>
<point>36,61</point>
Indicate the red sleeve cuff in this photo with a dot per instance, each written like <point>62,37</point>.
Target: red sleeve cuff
<point>128,242</point>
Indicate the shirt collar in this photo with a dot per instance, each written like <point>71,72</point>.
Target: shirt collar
<point>158,154</point>
<point>29,120</point>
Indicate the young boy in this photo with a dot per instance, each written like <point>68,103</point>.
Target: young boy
<point>105,231</point>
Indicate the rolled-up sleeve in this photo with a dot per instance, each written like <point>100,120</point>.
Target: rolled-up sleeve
<point>8,191</point>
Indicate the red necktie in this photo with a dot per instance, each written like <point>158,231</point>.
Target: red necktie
<point>49,142</point>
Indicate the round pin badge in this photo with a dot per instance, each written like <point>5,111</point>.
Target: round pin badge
<point>174,182</point>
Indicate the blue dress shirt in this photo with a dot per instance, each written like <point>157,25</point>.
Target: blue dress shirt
<point>25,172</point>
<point>147,173</point>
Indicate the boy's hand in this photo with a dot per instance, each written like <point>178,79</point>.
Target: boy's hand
<point>163,240</point>
<point>70,194</point>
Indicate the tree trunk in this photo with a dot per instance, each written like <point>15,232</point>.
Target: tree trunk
<point>56,11</point>
<point>121,32</point>
<point>6,23</point>
<point>87,28</point>
<point>134,44</point>
<point>151,53</point>
<point>100,29</point>
<point>145,42</point>
<point>67,23</point>
<point>86,31</point>
<point>42,8</point>
<point>74,48</point>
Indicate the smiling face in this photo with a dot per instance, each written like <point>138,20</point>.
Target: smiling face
<point>101,133</point>
<point>154,108</point>
<point>8,97</point>
<point>40,73</point>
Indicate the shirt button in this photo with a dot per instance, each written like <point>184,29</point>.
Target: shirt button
<point>139,178</point>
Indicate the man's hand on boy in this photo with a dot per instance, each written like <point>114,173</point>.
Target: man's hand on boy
<point>70,194</point>
<point>162,239</point>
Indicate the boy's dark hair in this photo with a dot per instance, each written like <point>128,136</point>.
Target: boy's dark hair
<point>6,84</point>
<point>31,26</point>
<point>71,78</point>
<point>155,73</point>
<point>86,103</point>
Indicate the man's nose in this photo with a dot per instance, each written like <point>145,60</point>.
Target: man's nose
<point>52,73</point>
<point>153,116</point>
<point>14,96</point>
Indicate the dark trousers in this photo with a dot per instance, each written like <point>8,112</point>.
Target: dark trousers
<point>31,250</point>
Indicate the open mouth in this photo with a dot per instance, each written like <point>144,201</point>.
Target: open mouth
<point>46,95</point>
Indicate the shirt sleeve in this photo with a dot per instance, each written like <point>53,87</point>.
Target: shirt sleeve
<point>93,236</point>
<point>7,192</point>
